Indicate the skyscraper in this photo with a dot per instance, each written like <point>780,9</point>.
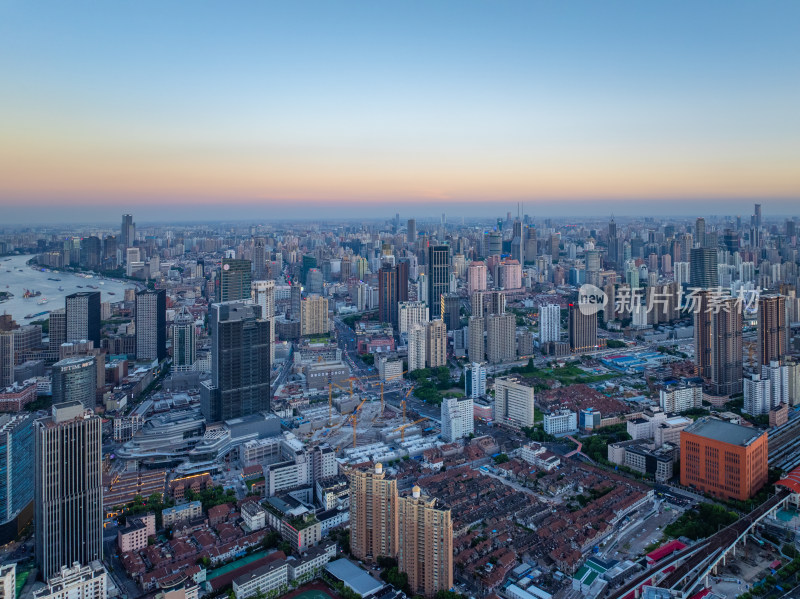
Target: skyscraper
<point>476,277</point>
<point>457,418</point>
<point>7,361</point>
<point>702,336</point>
<point>438,276</point>
<point>83,317</point>
<point>436,344</point>
<point>500,338</point>
<point>127,231</point>
<point>314,316</point>
<point>235,280</point>
<point>415,529</point>
<point>452,311</point>
<point>263,293</point>
<point>184,351</point>
<point>582,330</point>
<point>411,313</point>
<point>495,302</point>
<point>476,303</point>
<point>549,323</point>
<point>240,365</point>
<point>726,349</point>
<point>700,232</point>
<point>373,513</point>
<point>531,249</point>
<point>476,346</point>
<point>613,245</point>
<point>514,402</point>
<point>151,324</point>
<point>68,488</point>
<point>517,243</point>
<point>259,259</point>
<point>57,329</point>
<point>703,268</point>
<point>16,466</point>
<point>772,331</point>
<point>425,542</point>
<point>75,379</point>
<point>417,346</point>
<point>474,380</point>
<point>387,294</point>
<point>412,230</point>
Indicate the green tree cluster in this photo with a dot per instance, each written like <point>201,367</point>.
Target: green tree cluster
<point>701,522</point>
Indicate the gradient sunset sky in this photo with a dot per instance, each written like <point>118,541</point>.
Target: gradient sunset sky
<point>300,108</point>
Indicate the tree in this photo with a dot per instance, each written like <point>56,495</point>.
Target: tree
<point>501,458</point>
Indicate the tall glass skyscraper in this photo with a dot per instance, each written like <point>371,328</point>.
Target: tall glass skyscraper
<point>235,280</point>
<point>151,324</point>
<point>438,277</point>
<point>184,350</point>
<point>16,474</point>
<point>240,363</point>
<point>75,379</point>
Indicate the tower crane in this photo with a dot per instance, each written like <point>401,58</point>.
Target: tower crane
<point>402,428</point>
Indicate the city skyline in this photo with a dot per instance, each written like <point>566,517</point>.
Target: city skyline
<point>365,108</point>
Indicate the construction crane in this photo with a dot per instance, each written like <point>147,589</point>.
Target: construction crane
<point>403,403</point>
<point>331,385</point>
<point>402,428</point>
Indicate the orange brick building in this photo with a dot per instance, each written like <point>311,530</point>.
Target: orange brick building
<point>723,459</point>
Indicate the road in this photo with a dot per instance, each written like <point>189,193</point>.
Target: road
<point>127,587</point>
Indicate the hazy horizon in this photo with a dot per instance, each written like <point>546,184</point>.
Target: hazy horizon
<point>76,214</point>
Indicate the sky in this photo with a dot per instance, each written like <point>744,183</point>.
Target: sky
<point>330,108</point>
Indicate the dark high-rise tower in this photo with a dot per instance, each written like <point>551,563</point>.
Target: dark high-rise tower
<point>235,280</point>
<point>702,336</point>
<point>613,254</point>
<point>127,231</point>
<point>757,216</point>
<point>240,362</point>
<point>151,324</point>
<point>772,332</point>
<point>703,268</point>
<point>412,230</point>
<point>531,250</point>
<point>517,243</point>
<point>700,232</point>
<point>582,330</point>
<point>387,294</point>
<point>68,488</point>
<point>83,317</point>
<point>438,277</point>
<point>392,289</point>
<point>726,349</point>
<point>402,280</point>
<point>260,259</point>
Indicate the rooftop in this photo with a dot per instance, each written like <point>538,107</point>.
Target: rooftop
<point>721,430</point>
<point>354,577</point>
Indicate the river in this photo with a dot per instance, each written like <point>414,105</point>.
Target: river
<point>16,276</point>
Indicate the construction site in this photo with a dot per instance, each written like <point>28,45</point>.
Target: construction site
<point>362,426</point>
